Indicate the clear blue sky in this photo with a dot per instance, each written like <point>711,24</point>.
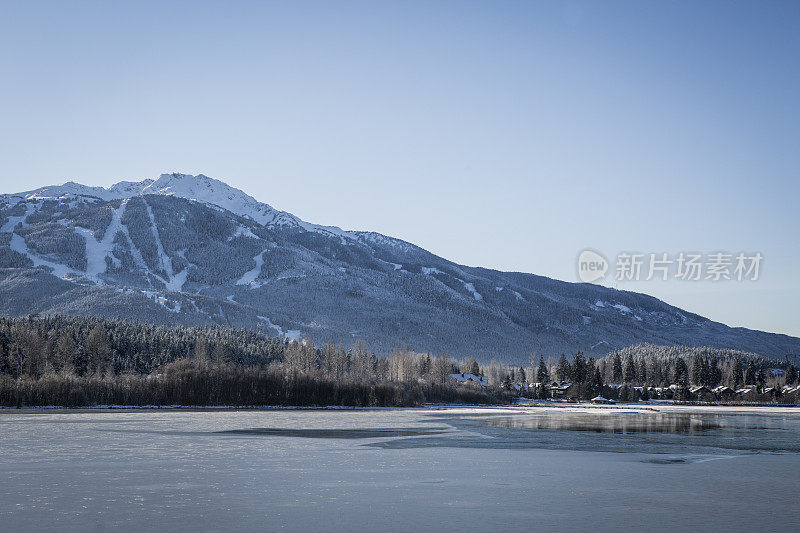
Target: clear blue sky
<point>503,134</point>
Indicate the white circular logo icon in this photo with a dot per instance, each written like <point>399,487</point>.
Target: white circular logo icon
<point>591,266</point>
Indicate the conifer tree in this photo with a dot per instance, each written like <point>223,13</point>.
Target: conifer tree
<point>791,374</point>
<point>563,369</point>
<point>681,373</point>
<point>750,374</point>
<point>579,370</point>
<point>617,369</point>
<point>696,376</point>
<point>98,349</point>
<point>737,373</point>
<point>542,374</point>
<point>630,371</point>
<point>543,377</point>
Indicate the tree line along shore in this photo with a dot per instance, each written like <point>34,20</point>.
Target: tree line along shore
<point>88,361</point>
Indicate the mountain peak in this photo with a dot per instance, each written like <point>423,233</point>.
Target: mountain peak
<point>199,188</point>
<point>207,190</point>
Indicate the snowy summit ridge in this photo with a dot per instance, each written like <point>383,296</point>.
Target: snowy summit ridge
<point>201,188</point>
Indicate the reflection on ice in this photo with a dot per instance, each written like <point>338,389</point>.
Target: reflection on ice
<point>650,431</point>
<point>612,423</point>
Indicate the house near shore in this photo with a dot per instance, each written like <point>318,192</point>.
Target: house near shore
<point>792,394</point>
<point>470,378</point>
<point>602,401</point>
<point>771,392</point>
<point>559,389</point>
<point>702,393</point>
<point>663,393</point>
<point>749,393</point>
<point>724,393</point>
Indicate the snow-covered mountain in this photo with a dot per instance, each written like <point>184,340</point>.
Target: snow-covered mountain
<point>192,250</point>
<point>198,188</point>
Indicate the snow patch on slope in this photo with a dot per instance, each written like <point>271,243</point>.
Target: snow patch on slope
<point>242,231</point>
<point>278,329</point>
<point>293,335</point>
<point>163,301</point>
<point>177,281</point>
<point>173,282</point>
<point>12,222</point>
<point>251,276</point>
<point>19,245</point>
<point>62,271</point>
<point>471,288</point>
<point>290,334</point>
<point>138,259</point>
<point>98,251</point>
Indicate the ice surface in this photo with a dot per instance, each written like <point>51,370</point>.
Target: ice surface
<point>394,470</point>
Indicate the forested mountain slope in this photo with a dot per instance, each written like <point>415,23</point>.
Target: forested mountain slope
<point>191,250</point>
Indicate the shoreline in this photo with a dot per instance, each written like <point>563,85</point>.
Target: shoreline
<point>654,407</point>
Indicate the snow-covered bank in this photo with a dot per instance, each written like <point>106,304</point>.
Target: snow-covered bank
<point>455,409</point>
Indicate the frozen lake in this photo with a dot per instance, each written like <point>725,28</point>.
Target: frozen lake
<point>570,468</point>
